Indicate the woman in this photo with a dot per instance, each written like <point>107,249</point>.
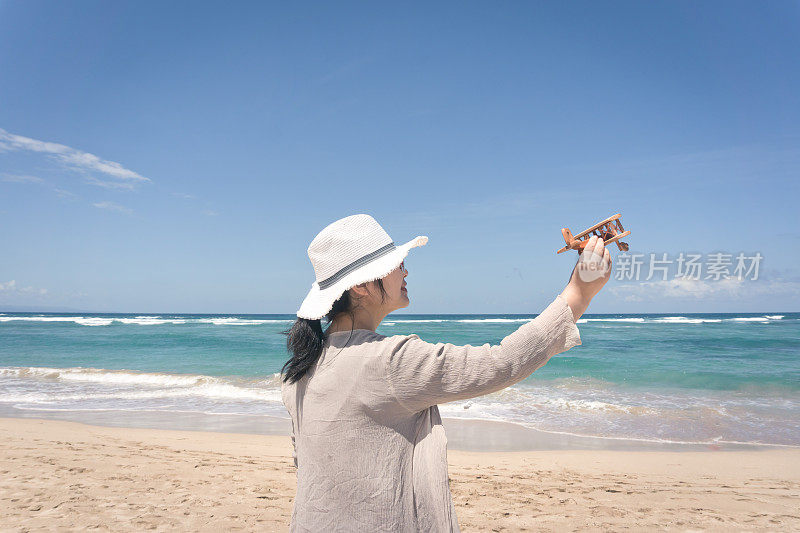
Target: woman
<point>369,446</point>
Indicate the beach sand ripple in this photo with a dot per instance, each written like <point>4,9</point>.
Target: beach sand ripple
<point>62,475</point>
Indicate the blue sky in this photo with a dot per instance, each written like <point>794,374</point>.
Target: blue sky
<point>180,157</point>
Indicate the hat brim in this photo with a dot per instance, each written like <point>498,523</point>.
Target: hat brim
<point>318,301</point>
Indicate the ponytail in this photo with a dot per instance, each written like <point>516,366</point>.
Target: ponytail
<point>304,340</point>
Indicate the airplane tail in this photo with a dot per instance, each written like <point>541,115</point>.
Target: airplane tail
<point>568,238</point>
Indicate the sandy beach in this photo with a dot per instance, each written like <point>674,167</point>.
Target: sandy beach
<point>61,475</point>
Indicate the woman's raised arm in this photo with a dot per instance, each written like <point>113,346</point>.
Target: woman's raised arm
<point>421,374</point>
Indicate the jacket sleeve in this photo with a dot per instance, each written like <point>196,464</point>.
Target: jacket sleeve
<point>421,374</point>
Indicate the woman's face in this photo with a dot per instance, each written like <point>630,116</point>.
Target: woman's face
<point>395,285</point>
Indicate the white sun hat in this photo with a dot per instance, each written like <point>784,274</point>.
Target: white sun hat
<point>352,250</point>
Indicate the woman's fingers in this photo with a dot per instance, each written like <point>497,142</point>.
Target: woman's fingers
<point>590,244</point>
<point>603,255</point>
<point>594,247</point>
<point>599,246</point>
<point>591,265</point>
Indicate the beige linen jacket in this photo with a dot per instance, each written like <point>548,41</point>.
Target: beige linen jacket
<point>369,446</point>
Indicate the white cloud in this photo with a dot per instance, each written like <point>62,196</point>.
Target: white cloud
<point>108,184</point>
<point>678,288</point>
<point>65,194</point>
<point>184,195</point>
<point>109,168</point>
<point>10,287</point>
<point>16,178</point>
<point>75,159</point>
<point>111,206</point>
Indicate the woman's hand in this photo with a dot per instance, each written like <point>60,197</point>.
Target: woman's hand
<point>591,272</point>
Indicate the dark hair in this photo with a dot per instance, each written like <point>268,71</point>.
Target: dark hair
<point>305,338</point>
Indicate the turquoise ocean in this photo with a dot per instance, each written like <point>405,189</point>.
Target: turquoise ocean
<point>692,378</point>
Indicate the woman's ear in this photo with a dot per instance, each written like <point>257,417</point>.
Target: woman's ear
<point>359,290</point>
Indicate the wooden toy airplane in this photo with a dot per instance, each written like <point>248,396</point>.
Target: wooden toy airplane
<point>610,230</point>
